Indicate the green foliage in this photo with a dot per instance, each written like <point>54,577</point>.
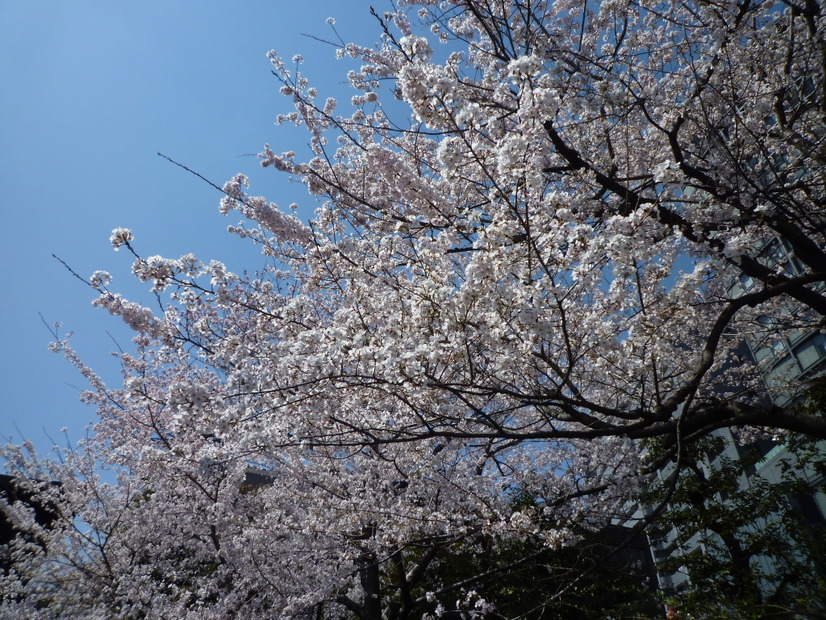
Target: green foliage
<point>525,579</point>
<point>741,538</point>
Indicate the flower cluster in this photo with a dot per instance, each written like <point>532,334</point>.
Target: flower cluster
<point>120,237</point>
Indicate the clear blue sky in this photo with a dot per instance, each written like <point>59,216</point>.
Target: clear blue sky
<point>91,90</point>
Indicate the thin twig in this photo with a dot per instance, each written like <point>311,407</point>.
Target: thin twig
<point>200,176</point>
<point>73,272</point>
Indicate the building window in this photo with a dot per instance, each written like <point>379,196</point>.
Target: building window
<point>811,351</point>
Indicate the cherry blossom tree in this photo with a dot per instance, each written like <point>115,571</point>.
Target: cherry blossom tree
<point>544,229</point>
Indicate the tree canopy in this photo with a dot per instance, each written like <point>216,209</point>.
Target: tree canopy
<point>543,231</point>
